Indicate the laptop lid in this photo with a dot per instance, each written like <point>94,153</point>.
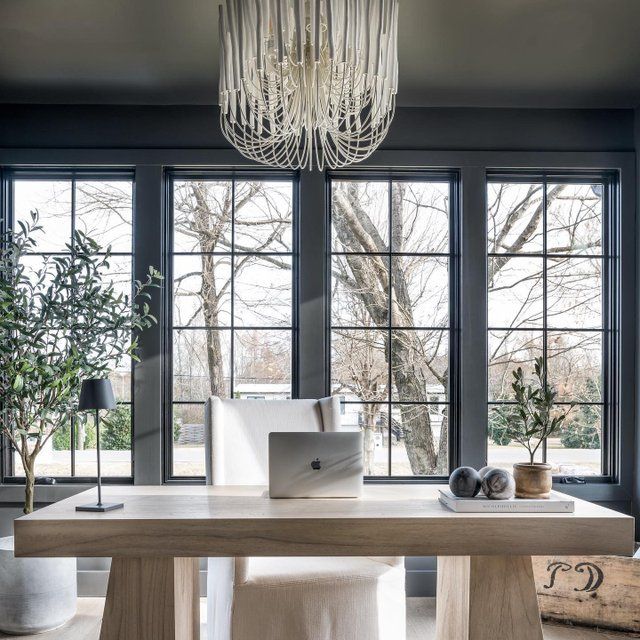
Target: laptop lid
<point>315,465</point>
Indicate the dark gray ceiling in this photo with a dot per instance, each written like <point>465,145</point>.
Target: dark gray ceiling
<point>531,53</point>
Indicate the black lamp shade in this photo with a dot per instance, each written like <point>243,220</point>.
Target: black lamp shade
<point>96,394</point>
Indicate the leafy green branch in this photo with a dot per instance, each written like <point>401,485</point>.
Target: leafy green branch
<point>60,322</point>
<point>535,416</point>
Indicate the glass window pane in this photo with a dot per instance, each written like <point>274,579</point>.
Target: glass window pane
<point>254,289</point>
<point>202,212</point>
<point>360,216</point>
<point>188,440</point>
<point>574,293</point>
<point>509,350</point>
<point>115,443</point>
<point>121,378</point>
<point>55,458</point>
<point>571,324</point>
<point>419,445</point>
<point>104,211</point>
<point>263,291</point>
<point>420,294</point>
<point>577,449</point>
<point>360,291</point>
<point>515,217</point>
<point>420,365</point>
<point>263,216</point>
<point>515,292</point>
<point>574,218</point>
<point>371,419</point>
<point>198,302</point>
<point>420,217</point>
<point>201,364</point>
<point>52,200</point>
<point>575,365</point>
<point>359,364</point>
<point>118,274</point>
<point>39,271</point>
<point>262,364</point>
<point>399,332</point>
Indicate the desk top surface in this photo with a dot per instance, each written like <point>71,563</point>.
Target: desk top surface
<point>234,521</point>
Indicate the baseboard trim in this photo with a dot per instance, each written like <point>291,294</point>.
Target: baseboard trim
<point>421,583</point>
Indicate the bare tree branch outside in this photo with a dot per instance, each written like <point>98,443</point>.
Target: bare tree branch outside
<point>545,279</point>
<point>390,319</point>
<point>232,300</point>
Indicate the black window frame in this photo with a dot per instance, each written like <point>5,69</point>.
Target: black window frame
<point>611,297</point>
<point>173,175</point>
<point>453,178</point>
<point>73,175</point>
<point>150,166</point>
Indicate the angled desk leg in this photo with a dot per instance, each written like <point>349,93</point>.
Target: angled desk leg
<point>487,598</point>
<point>152,599</point>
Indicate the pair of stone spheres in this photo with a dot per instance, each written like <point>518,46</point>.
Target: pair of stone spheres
<point>496,484</point>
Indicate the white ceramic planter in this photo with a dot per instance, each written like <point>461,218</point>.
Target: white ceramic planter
<point>36,594</point>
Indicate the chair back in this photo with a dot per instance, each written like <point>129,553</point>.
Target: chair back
<point>237,433</point>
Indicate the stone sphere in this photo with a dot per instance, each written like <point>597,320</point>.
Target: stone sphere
<point>464,482</point>
<point>498,484</point>
<point>483,472</point>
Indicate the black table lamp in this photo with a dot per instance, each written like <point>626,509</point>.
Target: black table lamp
<point>95,395</point>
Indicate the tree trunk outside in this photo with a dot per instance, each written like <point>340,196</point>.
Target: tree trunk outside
<point>443,447</point>
<point>210,309</point>
<point>81,435</point>
<point>369,427</point>
<point>416,426</point>
<point>411,385</point>
<point>357,232</point>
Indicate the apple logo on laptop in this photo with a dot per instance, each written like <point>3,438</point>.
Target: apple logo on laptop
<point>315,464</point>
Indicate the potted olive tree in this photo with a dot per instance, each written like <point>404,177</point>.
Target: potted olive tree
<point>533,419</point>
<point>60,322</point>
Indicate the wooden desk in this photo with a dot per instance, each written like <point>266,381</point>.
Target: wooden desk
<point>486,589</point>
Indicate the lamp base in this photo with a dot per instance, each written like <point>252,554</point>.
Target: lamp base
<point>105,506</point>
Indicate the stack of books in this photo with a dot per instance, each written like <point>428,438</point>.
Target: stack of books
<point>556,503</point>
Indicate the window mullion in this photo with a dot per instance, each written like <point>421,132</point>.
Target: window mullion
<point>544,294</point>
<point>73,425</point>
<point>147,391</point>
<point>313,375</point>
<point>472,440</point>
<point>232,337</point>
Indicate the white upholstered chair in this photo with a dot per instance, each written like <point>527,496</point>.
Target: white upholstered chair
<point>315,598</point>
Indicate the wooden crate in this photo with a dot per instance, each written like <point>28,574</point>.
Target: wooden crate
<point>595,591</point>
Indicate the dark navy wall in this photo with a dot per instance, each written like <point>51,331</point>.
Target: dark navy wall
<point>196,127</point>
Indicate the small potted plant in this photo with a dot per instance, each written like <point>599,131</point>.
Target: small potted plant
<point>60,322</point>
<point>532,420</point>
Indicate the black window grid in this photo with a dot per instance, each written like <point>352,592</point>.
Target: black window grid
<point>169,401</point>
<point>452,256</point>
<point>609,302</point>
<point>9,177</point>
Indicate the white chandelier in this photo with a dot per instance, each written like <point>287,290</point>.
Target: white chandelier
<point>306,82</point>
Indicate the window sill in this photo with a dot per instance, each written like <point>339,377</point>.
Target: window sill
<point>13,494</point>
<point>595,491</point>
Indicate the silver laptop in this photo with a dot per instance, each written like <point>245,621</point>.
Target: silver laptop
<point>315,465</point>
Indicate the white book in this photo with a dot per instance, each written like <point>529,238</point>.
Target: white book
<point>556,503</point>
